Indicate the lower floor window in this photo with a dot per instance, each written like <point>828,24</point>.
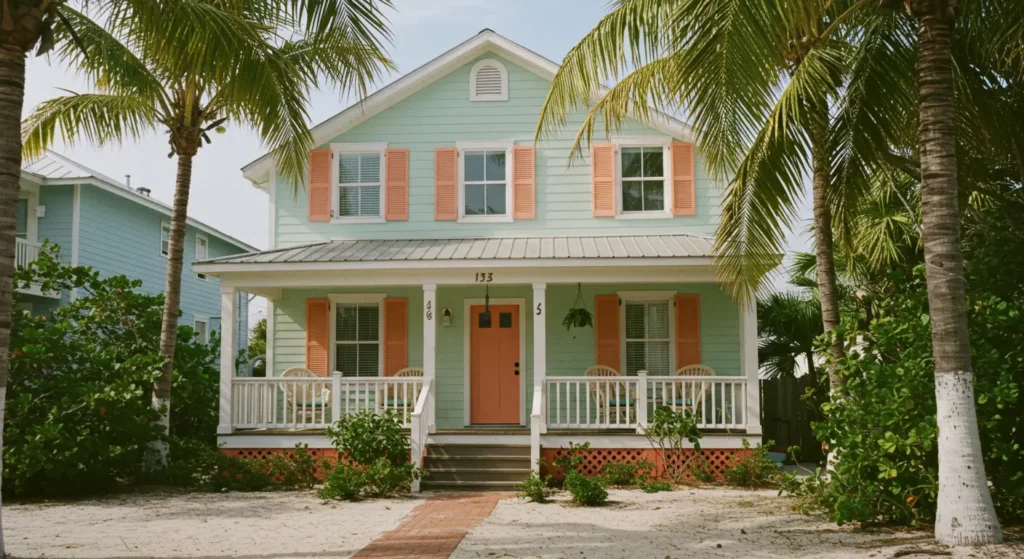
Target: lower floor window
<point>357,339</point>
<point>202,331</point>
<point>648,341</point>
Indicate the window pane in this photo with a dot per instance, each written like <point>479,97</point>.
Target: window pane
<point>369,320</point>
<point>345,359</point>
<point>495,166</point>
<point>369,168</point>
<point>631,165</point>
<point>345,326</point>
<point>634,321</point>
<point>369,200</point>
<point>654,196</point>
<point>495,199</point>
<point>348,168</point>
<point>654,163</point>
<point>657,320</point>
<point>473,168</point>
<point>201,251</point>
<point>657,358</point>
<point>474,199</point>
<point>348,201</point>
<point>635,357</point>
<point>369,356</point>
<point>632,196</point>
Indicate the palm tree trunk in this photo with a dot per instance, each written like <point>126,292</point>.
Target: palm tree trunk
<point>12,97</point>
<point>965,515</point>
<point>172,304</point>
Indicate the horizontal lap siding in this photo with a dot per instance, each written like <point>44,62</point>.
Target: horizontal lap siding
<point>56,225</point>
<point>440,115</point>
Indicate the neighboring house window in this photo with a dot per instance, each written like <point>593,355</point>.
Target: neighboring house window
<point>357,336</point>
<point>488,81</point>
<point>484,181</point>
<point>21,231</point>
<point>201,327</point>
<point>202,251</point>
<point>648,336</point>
<point>165,239</point>
<point>359,179</point>
<point>642,179</point>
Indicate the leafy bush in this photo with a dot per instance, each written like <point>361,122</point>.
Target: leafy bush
<point>571,460</point>
<point>625,473</point>
<point>700,469</point>
<point>668,432</point>
<point>384,479</point>
<point>345,482</point>
<point>379,447</point>
<point>754,470</point>
<point>656,486</point>
<point>586,491</point>
<point>235,473</point>
<point>296,469</point>
<point>535,488</point>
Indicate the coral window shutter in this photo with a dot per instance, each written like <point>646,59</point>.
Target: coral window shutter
<point>684,191</point>
<point>396,184</point>
<point>318,334</point>
<point>396,334</point>
<point>320,185</point>
<point>524,181</point>
<point>602,176</point>
<point>606,315</point>
<point>446,184</point>
<point>687,330</point>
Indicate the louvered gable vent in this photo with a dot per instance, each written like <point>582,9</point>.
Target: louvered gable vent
<point>488,81</point>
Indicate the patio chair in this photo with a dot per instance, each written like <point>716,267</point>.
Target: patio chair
<point>687,403</point>
<point>620,399</point>
<point>393,396</point>
<point>308,408</point>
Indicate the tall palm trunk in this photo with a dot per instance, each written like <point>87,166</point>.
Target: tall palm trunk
<point>172,303</point>
<point>12,97</point>
<point>965,515</point>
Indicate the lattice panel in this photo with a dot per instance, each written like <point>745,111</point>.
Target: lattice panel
<point>594,459</point>
<point>329,454</point>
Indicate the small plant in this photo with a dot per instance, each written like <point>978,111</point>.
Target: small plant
<point>535,488</point>
<point>578,316</point>
<point>668,432</point>
<point>384,479</point>
<point>345,482</point>
<point>656,486</point>
<point>379,448</point>
<point>700,469</point>
<point>241,474</point>
<point>295,470</point>
<point>754,470</point>
<point>622,474</point>
<point>586,491</point>
<point>571,460</point>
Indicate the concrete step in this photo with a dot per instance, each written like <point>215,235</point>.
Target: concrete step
<point>510,475</point>
<point>476,462</point>
<point>477,450</point>
<point>467,486</point>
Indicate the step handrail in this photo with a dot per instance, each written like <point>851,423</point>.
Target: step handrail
<point>419,427</point>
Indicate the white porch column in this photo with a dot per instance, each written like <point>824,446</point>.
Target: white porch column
<point>228,310</point>
<point>749,364</point>
<point>540,343</point>
<point>430,348</point>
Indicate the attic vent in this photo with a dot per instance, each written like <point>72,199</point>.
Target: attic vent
<point>488,81</point>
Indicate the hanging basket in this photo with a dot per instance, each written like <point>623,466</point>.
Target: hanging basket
<point>578,316</point>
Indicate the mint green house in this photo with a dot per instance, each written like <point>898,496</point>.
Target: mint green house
<point>429,264</point>
<point>100,222</point>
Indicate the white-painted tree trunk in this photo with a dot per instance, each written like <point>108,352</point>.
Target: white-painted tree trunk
<point>965,511</point>
<point>157,457</point>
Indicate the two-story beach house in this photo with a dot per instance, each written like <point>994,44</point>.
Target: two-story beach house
<point>100,222</point>
<point>428,266</point>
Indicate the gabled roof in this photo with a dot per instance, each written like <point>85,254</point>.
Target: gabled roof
<point>258,171</point>
<point>54,168</point>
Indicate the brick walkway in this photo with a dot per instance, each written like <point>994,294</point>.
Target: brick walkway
<point>435,528</point>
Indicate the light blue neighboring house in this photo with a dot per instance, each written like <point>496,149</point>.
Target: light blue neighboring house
<point>103,223</point>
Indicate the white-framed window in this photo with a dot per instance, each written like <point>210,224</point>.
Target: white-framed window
<point>649,337</point>
<point>202,330</point>
<point>358,175</point>
<point>485,181</point>
<point>644,177</point>
<point>357,328</point>
<point>488,81</point>
<point>202,251</point>
<point>165,239</point>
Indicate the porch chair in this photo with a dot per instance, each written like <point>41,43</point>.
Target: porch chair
<point>392,397</point>
<point>623,407</point>
<point>687,403</point>
<point>307,409</point>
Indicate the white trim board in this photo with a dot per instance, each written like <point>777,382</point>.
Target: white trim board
<point>467,304</point>
<point>691,261</point>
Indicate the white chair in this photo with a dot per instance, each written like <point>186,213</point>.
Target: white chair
<point>613,398</point>
<point>682,394</point>
<point>309,406</point>
<point>393,396</point>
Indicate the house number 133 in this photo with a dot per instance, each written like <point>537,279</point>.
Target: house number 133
<point>484,277</point>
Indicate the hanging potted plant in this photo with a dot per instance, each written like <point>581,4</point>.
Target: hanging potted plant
<point>578,316</point>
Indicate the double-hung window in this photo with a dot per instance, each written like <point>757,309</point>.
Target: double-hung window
<point>359,182</point>
<point>202,251</point>
<point>648,336</point>
<point>201,327</point>
<point>357,335</point>
<point>165,239</point>
<point>643,180</point>
<point>485,181</point>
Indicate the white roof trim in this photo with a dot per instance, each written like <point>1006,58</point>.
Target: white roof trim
<point>258,171</point>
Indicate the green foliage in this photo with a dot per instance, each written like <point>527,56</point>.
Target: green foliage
<point>668,432</point>
<point>234,473</point>
<point>585,490</point>
<point>754,470</point>
<point>345,482</point>
<point>379,447</point>
<point>296,469</point>
<point>626,473</point>
<point>656,486</point>
<point>578,316</point>
<point>700,469</point>
<point>535,488</point>
<point>385,479</point>
<point>571,460</point>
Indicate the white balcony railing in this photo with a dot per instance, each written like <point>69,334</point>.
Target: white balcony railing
<point>315,403</point>
<point>25,252</point>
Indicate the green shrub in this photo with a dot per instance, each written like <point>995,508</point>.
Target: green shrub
<point>754,470</point>
<point>345,482</point>
<point>296,469</point>
<point>623,474</point>
<point>656,486</point>
<point>667,433</point>
<point>384,479</point>
<point>571,460</point>
<point>535,488</point>
<point>700,469</point>
<point>380,448</point>
<point>241,474</point>
<point>586,491</point>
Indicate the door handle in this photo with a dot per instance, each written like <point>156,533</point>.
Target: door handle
<point>517,372</point>
<point>517,368</point>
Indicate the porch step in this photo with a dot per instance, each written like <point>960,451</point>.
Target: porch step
<point>476,462</point>
<point>478,450</point>
<point>468,486</point>
<point>476,467</point>
<point>511,475</point>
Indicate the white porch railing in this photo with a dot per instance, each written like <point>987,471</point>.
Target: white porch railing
<point>315,403</point>
<point>25,252</point>
<point>627,402</point>
<point>420,427</point>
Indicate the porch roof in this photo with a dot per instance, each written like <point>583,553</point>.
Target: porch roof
<point>491,248</point>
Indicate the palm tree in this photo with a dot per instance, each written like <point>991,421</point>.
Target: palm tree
<point>787,326</point>
<point>190,66</point>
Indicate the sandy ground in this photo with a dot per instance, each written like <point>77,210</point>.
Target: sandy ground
<point>252,525</point>
<point>690,524</point>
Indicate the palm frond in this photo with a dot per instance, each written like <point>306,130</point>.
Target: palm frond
<point>99,118</point>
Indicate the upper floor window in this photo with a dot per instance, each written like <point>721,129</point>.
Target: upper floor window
<point>485,180</point>
<point>488,81</point>
<point>359,179</point>
<point>202,251</point>
<point>165,239</point>
<point>643,180</point>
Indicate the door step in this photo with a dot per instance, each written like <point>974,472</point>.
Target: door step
<point>476,467</point>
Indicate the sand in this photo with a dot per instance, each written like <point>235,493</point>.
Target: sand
<point>690,524</point>
<point>254,525</point>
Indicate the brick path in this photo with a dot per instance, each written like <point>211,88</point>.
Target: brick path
<point>435,528</point>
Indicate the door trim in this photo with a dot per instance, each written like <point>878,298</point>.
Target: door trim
<point>467,305</point>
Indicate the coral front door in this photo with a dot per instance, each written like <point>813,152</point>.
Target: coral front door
<point>494,366</point>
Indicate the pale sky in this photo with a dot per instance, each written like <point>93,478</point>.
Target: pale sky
<point>422,30</point>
